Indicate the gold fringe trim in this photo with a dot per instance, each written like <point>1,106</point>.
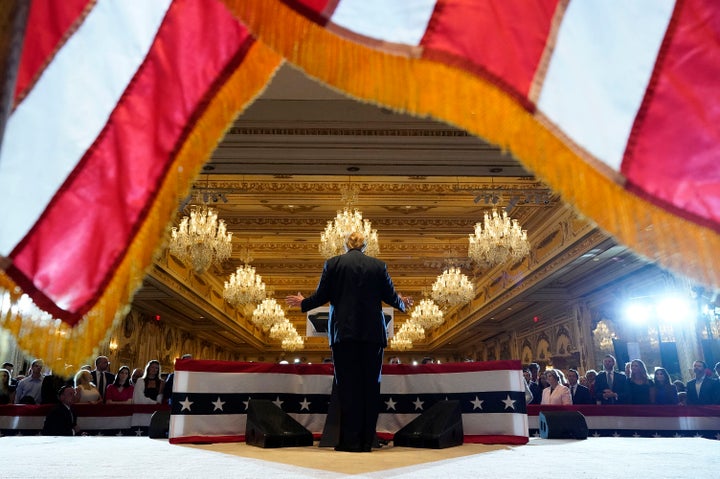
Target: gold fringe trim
<point>422,87</point>
<point>64,348</point>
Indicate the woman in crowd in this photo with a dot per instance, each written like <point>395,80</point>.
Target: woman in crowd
<point>85,390</point>
<point>148,388</point>
<point>641,388</point>
<point>120,391</point>
<point>6,395</point>
<point>555,393</point>
<point>665,390</point>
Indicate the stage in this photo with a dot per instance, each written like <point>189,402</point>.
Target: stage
<point>76,458</point>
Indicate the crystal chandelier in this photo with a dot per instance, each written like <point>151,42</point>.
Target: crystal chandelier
<point>498,239</point>
<point>400,343</point>
<point>293,343</point>
<point>267,313</point>
<point>282,329</point>
<point>244,286</point>
<point>201,239</point>
<point>427,314</point>
<point>332,240</point>
<point>412,331</point>
<point>452,288</point>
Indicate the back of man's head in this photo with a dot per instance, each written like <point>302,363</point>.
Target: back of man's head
<point>355,240</point>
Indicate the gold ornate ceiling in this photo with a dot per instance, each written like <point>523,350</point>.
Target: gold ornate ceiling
<point>281,173</point>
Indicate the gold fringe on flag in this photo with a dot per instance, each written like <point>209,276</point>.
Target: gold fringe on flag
<point>65,348</point>
<point>427,88</point>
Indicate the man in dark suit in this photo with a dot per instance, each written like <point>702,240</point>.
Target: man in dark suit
<point>62,421</point>
<point>611,386</point>
<point>356,285</point>
<point>704,389</point>
<point>101,375</point>
<point>579,393</point>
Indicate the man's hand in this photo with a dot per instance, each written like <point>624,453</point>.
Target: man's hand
<point>407,300</point>
<point>294,299</point>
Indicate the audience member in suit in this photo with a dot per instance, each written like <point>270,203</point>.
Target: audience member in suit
<point>703,389</point>
<point>356,285</point>
<point>62,421</point>
<point>101,375</point>
<point>641,389</point>
<point>665,391</point>
<point>534,383</point>
<point>121,390</point>
<point>579,393</point>
<point>167,390</point>
<point>611,386</point>
<point>556,393</point>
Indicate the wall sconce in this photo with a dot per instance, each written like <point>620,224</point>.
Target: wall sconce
<point>113,345</point>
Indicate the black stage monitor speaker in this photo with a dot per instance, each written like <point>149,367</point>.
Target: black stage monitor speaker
<point>159,425</point>
<point>562,425</point>
<point>269,426</point>
<point>437,428</point>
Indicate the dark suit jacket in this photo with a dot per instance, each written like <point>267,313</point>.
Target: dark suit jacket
<point>59,422</point>
<point>620,386</point>
<point>356,285</point>
<point>536,391</point>
<point>109,379</point>
<point>709,392</point>
<point>582,395</point>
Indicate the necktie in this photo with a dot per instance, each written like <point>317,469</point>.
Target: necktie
<point>610,380</point>
<point>573,390</point>
<point>101,383</point>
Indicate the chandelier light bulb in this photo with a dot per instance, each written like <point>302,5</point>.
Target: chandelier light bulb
<point>497,239</point>
<point>201,239</point>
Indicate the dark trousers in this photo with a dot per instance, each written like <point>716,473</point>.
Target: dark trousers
<point>357,375</point>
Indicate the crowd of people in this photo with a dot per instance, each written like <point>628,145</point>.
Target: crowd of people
<point>612,386</point>
<point>88,386</point>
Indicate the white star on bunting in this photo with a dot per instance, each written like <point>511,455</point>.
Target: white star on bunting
<point>278,402</point>
<point>418,404</point>
<point>186,404</point>
<point>305,404</point>
<point>390,404</point>
<point>218,404</point>
<point>477,403</point>
<point>509,403</point>
<point>247,403</point>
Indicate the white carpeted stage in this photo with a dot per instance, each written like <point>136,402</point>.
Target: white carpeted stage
<point>139,457</point>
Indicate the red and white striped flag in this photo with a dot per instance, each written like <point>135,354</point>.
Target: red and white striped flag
<point>614,104</point>
<point>117,106</point>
